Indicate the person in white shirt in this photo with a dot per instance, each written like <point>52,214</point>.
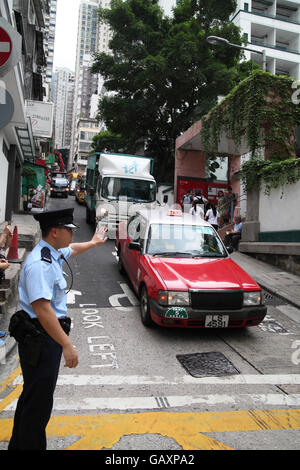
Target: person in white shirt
<point>212,216</point>
<point>197,208</point>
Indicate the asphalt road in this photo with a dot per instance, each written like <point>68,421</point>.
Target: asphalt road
<point>130,390</point>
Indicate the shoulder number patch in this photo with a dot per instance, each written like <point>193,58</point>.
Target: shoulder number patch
<point>46,255</point>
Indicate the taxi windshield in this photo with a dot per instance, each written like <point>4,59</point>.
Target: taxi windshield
<point>190,241</point>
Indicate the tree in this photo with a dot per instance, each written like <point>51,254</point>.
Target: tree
<point>162,75</point>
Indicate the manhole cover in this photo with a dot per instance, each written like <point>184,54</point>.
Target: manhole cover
<point>207,364</point>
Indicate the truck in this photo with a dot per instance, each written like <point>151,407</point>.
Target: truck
<point>117,185</point>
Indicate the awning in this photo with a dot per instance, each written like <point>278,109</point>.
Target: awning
<point>26,142</point>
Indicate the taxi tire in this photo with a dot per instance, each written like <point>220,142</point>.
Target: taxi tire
<point>145,308</point>
<point>120,264</point>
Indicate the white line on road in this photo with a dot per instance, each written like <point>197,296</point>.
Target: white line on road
<point>239,379</point>
<point>149,403</point>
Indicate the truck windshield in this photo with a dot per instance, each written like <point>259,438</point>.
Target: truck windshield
<point>184,240</point>
<point>132,189</point>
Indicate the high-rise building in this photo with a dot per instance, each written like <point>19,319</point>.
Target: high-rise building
<point>49,39</point>
<point>61,84</point>
<point>87,39</point>
<point>273,26</point>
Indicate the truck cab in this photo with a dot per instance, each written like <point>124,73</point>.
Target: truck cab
<point>117,186</point>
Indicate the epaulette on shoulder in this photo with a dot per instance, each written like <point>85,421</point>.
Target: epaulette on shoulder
<point>46,255</point>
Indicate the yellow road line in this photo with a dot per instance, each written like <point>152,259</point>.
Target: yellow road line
<point>104,431</point>
<point>6,382</point>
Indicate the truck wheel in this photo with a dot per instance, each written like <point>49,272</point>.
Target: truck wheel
<point>145,308</point>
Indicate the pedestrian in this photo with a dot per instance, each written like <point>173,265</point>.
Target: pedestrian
<point>187,200</point>
<point>41,327</point>
<point>5,241</point>
<point>222,207</point>
<point>233,237</point>
<point>197,208</point>
<point>212,216</point>
<point>230,203</point>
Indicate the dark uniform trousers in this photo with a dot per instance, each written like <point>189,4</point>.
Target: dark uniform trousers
<point>36,401</point>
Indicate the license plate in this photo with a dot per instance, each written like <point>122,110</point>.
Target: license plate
<point>216,321</point>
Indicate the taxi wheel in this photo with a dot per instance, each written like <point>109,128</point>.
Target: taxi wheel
<point>120,264</point>
<point>145,309</point>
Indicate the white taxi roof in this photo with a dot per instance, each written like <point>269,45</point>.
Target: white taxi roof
<point>161,216</point>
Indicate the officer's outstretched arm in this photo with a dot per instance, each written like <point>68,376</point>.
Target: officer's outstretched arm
<point>98,239</point>
<point>50,323</point>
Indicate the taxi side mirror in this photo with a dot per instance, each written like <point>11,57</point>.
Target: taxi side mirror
<point>136,246</point>
<point>229,249</point>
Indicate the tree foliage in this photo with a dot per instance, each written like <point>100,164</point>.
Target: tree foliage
<point>162,75</point>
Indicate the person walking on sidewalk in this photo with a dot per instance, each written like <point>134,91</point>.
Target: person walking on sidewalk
<point>41,328</point>
<point>5,241</point>
<point>212,216</point>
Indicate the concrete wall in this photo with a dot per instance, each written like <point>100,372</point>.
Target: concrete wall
<point>280,212</point>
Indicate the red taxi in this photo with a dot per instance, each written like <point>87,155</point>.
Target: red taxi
<point>183,273</point>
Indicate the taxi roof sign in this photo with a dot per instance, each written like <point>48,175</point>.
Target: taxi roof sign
<point>177,212</point>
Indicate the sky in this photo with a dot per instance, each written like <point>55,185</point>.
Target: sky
<point>66,31</point>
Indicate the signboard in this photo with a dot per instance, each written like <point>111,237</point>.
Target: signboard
<point>41,115</point>
<point>10,47</point>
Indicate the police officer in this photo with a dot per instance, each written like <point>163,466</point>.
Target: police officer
<point>42,326</point>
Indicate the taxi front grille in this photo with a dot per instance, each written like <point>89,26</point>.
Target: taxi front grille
<point>217,299</point>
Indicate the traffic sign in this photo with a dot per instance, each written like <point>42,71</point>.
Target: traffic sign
<point>5,47</point>
<point>10,47</point>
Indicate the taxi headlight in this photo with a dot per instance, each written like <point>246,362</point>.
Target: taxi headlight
<point>252,298</point>
<point>173,298</point>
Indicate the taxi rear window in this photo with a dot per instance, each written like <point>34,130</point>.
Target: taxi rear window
<point>184,240</point>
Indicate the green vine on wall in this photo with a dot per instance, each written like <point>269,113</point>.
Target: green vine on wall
<point>260,111</point>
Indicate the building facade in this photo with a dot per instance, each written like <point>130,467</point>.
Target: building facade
<point>61,94</point>
<point>49,40</point>
<point>22,82</point>
<point>272,25</point>
<point>87,40</point>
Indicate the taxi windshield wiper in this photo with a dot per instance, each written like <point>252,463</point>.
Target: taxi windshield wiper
<point>184,254</point>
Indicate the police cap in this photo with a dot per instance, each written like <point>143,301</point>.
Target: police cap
<point>58,218</point>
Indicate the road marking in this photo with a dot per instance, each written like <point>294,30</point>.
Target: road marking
<point>71,296</point>
<point>239,379</point>
<point>152,403</point>
<point>187,429</point>
<point>127,293</point>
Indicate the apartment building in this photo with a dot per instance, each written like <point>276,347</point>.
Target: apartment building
<point>273,26</point>
<point>49,40</point>
<point>87,40</point>
<point>61,82</point>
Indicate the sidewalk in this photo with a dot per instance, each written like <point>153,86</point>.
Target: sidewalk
<point>28,237</point>
<point>273,279</point>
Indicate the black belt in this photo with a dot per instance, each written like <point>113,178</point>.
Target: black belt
<point>65,323</point>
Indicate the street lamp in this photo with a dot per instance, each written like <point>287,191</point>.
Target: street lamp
<point>215,40</point>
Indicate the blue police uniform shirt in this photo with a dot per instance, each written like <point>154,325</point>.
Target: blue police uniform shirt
<point>42,280</point>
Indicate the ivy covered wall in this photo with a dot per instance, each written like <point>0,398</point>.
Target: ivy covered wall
<point>259,110</point>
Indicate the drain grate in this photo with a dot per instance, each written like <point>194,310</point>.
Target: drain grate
<point>207,364</point>
<point>270,299</point>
